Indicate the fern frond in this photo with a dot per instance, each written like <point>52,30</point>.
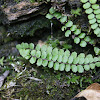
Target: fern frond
<point>93,11</point>
<point>58,58</point>
<point>69,28</point>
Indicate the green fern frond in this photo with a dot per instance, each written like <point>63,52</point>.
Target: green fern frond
<point>58,58</point>
<point>93,11</point>
<point>69,28</point>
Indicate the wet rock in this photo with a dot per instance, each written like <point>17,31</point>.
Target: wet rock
<point>74,3</point>
<point>8,49</point>
<point>1,16</point>
<point>23,18</point>
<point>28,28</point>
<point>1,33</point>
<point>23,11</point>
<point>4,36</point>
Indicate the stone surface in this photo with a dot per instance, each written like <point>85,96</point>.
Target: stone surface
<point>8,49</point>
<point>23,11</point>
<point>29,27</point>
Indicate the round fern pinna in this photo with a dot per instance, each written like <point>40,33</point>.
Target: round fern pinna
<point>58,58</point>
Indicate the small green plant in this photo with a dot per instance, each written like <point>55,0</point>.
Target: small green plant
<point>93,11</point>
<point>32,1</point>
<point>76,12</point>
<point>53,42</point>
<point>58,58</point>
<point>73,79</point>
<point>79,37</point>
<point>17,1</point>
<point>1,61</point>
<point>64,60</point>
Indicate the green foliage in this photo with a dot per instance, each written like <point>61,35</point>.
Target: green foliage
<point>73,79</point>
<point>53,42</point>
<point>49,16</point>
<point>58,58</point>
<point>64,60</point>
<point>32,1</point>
<point>79,37</point>
<point>89,10</point>
<point>67,46</point>
<point>86,5</point>
<point>1,61</point>
<point>97,50</point>
<point>63,19</point>
<point>95,6</point>
<point>93,1</point>
<point>93,11</point>
<point>83,1</point>
<point>76,12</point>
<point>17,1</point>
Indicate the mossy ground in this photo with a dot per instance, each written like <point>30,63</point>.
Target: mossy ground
<point>46,83</point>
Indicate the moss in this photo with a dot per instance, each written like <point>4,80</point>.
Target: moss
<point>54,85</point>
<point>29,28</point>
<point>17,1</point>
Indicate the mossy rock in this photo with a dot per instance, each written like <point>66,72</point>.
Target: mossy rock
<point>28,28</point>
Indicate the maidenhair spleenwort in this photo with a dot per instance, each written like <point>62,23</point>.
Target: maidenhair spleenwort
<point>71,29</point>
<point>58,58</point>
<point>64,60</point>
<point>93,11</point>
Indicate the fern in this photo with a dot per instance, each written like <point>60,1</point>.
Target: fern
<point>76,12</point>
<point>65,60</point>
<point>69,28</point>
<point>93,11</point>
<point>58,58</point>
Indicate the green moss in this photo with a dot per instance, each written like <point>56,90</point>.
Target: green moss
<point>54,85</point>
<point>30,27</point>
<point>17,1</point>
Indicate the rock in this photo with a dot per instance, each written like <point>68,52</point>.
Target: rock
<point>8,49</point>
<point>2,33</point>
<point>23,11</point>
<point>74,3</point>
<point>29,27</point>
<point>2,77</point>
<point>22,19</point>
